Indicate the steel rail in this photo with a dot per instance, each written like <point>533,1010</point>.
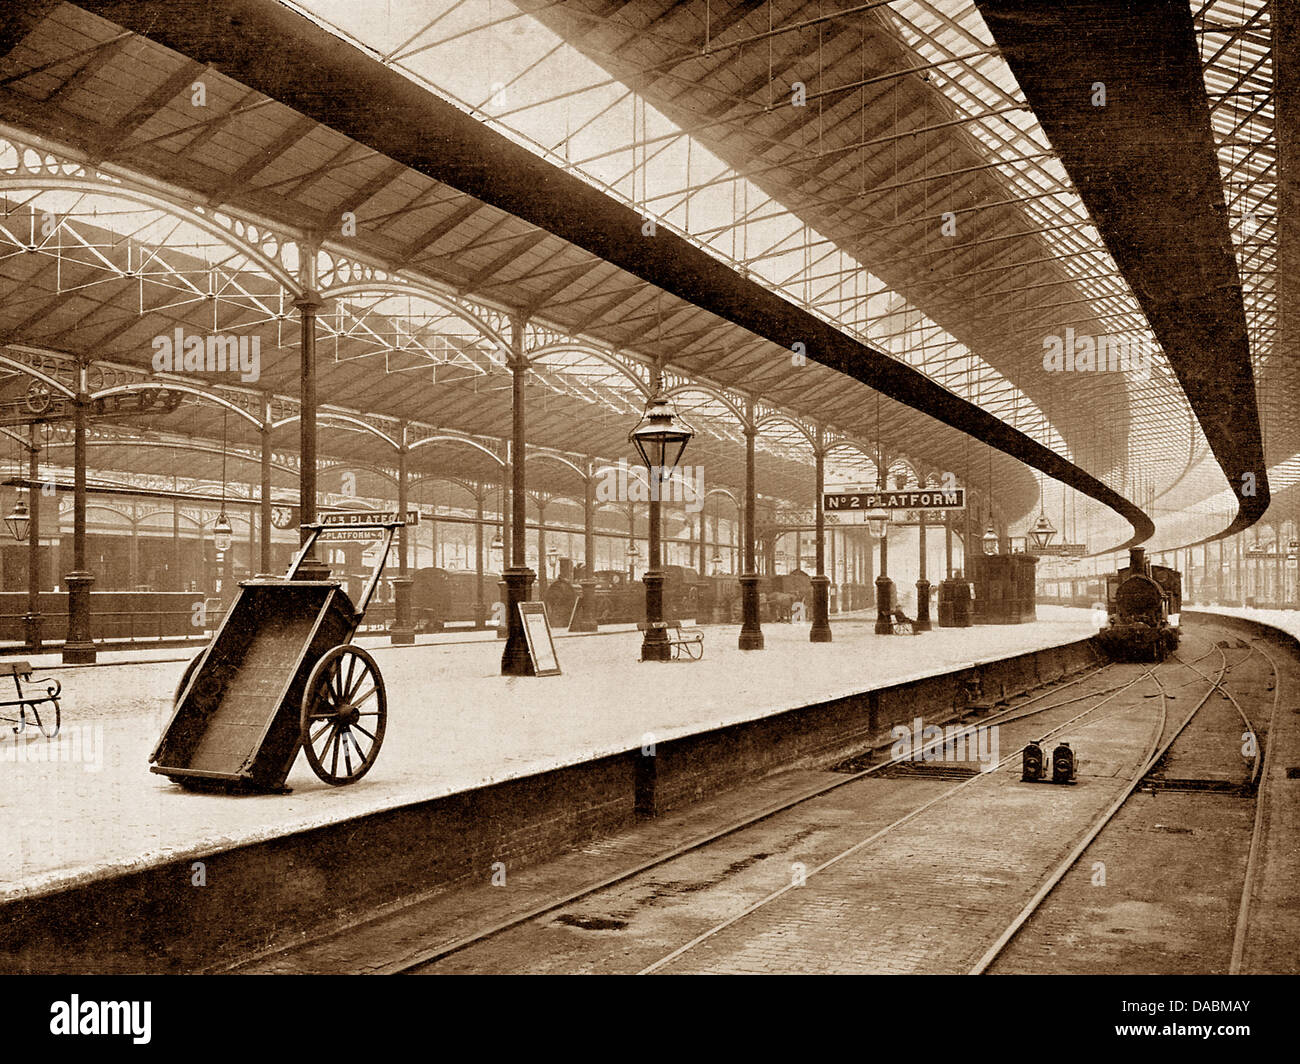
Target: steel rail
<point>1012,713</point>
<point>858,846</point>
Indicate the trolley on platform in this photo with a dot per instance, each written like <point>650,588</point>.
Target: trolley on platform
<point>280,674</point>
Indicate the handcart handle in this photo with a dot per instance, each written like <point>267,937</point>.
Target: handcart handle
<point>390,529</point>
<point>315,528</point>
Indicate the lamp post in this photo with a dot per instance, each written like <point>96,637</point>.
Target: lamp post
<point>552,562</point>
<point>878,528</point>
<point>660,437</point>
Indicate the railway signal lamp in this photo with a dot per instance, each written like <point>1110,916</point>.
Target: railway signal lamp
<point>1043,531</point>
<point>1063,764</point>
<point>1031,763</point>
<point>222,534</point>
<point>660,436</point>
<point>19,520</point>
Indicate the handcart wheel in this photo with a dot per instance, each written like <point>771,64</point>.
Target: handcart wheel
<point>185,677</point>
<point>344,710</point>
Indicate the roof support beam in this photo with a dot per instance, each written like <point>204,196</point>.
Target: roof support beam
<point>327,79</point>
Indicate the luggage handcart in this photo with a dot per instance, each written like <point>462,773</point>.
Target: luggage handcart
<point>280,674</point>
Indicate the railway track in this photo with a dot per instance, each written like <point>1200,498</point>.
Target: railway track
<point>1045,703</point>
<point>1023,710</point>
<point>1135,700</point>
<point>1248,786</point>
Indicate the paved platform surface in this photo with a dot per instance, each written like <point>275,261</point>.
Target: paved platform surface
<point>1287,620</point>
<point>85,805</point>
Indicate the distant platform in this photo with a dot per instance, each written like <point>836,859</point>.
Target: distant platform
<point>87,807</point>
<point>1286,620</point>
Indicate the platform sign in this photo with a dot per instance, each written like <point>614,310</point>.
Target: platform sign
<point>927,499</point>
<point>1058,550</point>
<point>339,521</point>
<point>368,517</point>
<point>537,633</point>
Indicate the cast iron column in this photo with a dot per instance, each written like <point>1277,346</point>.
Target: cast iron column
<point>307,305</point>
<point>922,584</point>
<point>820,632</point>
<point>543,577</point>
<point>78,647</point>
<point>584,620</point>
<point>884,590</point>
<point>654,645</point>
<point>703,567</point>
<point>176,543</point>
<point>515,660</point>
<point>403,631</point>
<point>264,502</point>
<point>502,628</point>
<point>480,606</point>
<point>751,631</point>
<point>32,620</point>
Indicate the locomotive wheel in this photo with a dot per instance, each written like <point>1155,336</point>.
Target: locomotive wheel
<point>185,676</point>
<point>344,711</point>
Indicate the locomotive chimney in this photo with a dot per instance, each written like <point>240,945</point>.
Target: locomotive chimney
<point>1137,559</point>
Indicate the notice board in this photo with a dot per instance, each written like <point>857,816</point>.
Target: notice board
<point>537,632</point>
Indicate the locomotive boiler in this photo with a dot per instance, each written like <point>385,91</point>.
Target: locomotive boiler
<point>1143,602</point>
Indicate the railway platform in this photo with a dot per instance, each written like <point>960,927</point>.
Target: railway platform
<point>103,859</point>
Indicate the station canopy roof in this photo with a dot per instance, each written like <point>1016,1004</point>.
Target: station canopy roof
<point>876,165</point>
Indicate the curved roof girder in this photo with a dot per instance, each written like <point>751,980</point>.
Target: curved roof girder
<point>403,287</point>
<point>329,80</point>
<point>199,220</point>
<point>206,394</point>
<point>1189,287</point>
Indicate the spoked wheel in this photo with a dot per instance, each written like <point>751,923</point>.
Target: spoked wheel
<point>344,710</point>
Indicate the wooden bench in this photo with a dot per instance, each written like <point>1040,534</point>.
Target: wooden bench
<point>680,637</point>
<point>902,624</point>
<point>28,704</point>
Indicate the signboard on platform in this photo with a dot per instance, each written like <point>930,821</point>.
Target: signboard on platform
<point>368,517</point>
<point>343,519</point>
<point>919,499</point>
<point>1058,550</point>
<point>537,633</point>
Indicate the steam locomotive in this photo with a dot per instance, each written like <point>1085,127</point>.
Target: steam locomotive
<point>1143,602</point>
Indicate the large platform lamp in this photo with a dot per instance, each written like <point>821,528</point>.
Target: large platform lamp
<point>660,438</point>
<point>1043,530</point>
<point>222,534</point>
<point>990,539</point>
<point>19,520</point>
